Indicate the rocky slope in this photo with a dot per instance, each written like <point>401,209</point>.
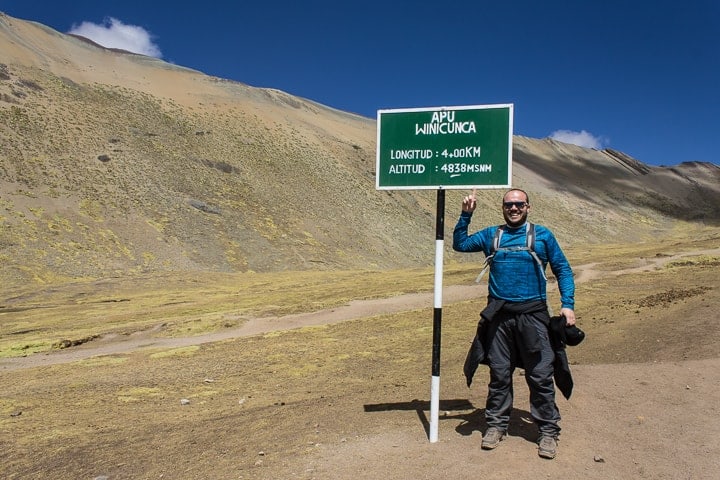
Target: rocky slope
<point>113,164</point>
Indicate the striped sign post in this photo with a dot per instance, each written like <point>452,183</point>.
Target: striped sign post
<point>443,148</point>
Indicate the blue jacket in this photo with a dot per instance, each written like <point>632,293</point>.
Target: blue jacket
<point>515,275</point>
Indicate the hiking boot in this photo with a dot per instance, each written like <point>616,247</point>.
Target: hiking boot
<point>547,447</point>
<point>492,438</point>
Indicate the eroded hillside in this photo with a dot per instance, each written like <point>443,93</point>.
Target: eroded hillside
<point>114,164</point>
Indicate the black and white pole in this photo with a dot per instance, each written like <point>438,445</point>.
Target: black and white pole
<point>437,317</point>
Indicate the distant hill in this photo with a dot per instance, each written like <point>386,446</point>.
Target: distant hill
<point>113,163</point>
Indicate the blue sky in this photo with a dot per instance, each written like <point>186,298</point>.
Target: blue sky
<point>639,77</point>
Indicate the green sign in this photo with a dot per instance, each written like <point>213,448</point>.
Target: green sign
<point>444,147</point>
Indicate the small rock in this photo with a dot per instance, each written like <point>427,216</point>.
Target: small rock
<point>599,459</point>
<point>184,401</point>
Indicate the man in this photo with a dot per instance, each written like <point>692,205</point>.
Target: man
<point>515,323</point>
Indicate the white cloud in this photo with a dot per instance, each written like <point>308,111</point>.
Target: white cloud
<point>113,33</point>
<point>581,139</point>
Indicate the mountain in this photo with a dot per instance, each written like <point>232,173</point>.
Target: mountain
<point>113,163</point>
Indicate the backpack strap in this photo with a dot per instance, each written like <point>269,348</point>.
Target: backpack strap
<point>496,239</point>
<point>530,236</point>
<point>530,243</point>
<point>495,246</point>
<point>529,246</point>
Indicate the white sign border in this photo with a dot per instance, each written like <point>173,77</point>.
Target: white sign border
<point>509,106</point>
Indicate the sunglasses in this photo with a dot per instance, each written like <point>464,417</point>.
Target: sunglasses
<point>518,205</point>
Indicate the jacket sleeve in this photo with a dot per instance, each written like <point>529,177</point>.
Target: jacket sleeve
<point>562,271</point>
<point>462,242</point>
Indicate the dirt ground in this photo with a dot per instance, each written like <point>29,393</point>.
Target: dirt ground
<point>344,393</point>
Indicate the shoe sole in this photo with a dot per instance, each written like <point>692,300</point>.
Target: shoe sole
<point>491,446</point>
<point>548,455</point>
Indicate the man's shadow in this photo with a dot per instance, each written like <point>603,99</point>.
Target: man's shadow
<point>520,425</point>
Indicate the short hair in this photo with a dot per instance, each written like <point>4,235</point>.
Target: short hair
<point>527,197</point>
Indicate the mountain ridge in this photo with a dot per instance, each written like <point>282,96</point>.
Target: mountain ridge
<point>118,164</point>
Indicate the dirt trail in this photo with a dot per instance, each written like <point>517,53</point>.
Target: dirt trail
<point>115,344</point>
<point>585,273</point>
<point>626,422</point>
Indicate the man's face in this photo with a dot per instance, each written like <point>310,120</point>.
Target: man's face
<point>515,215</point>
